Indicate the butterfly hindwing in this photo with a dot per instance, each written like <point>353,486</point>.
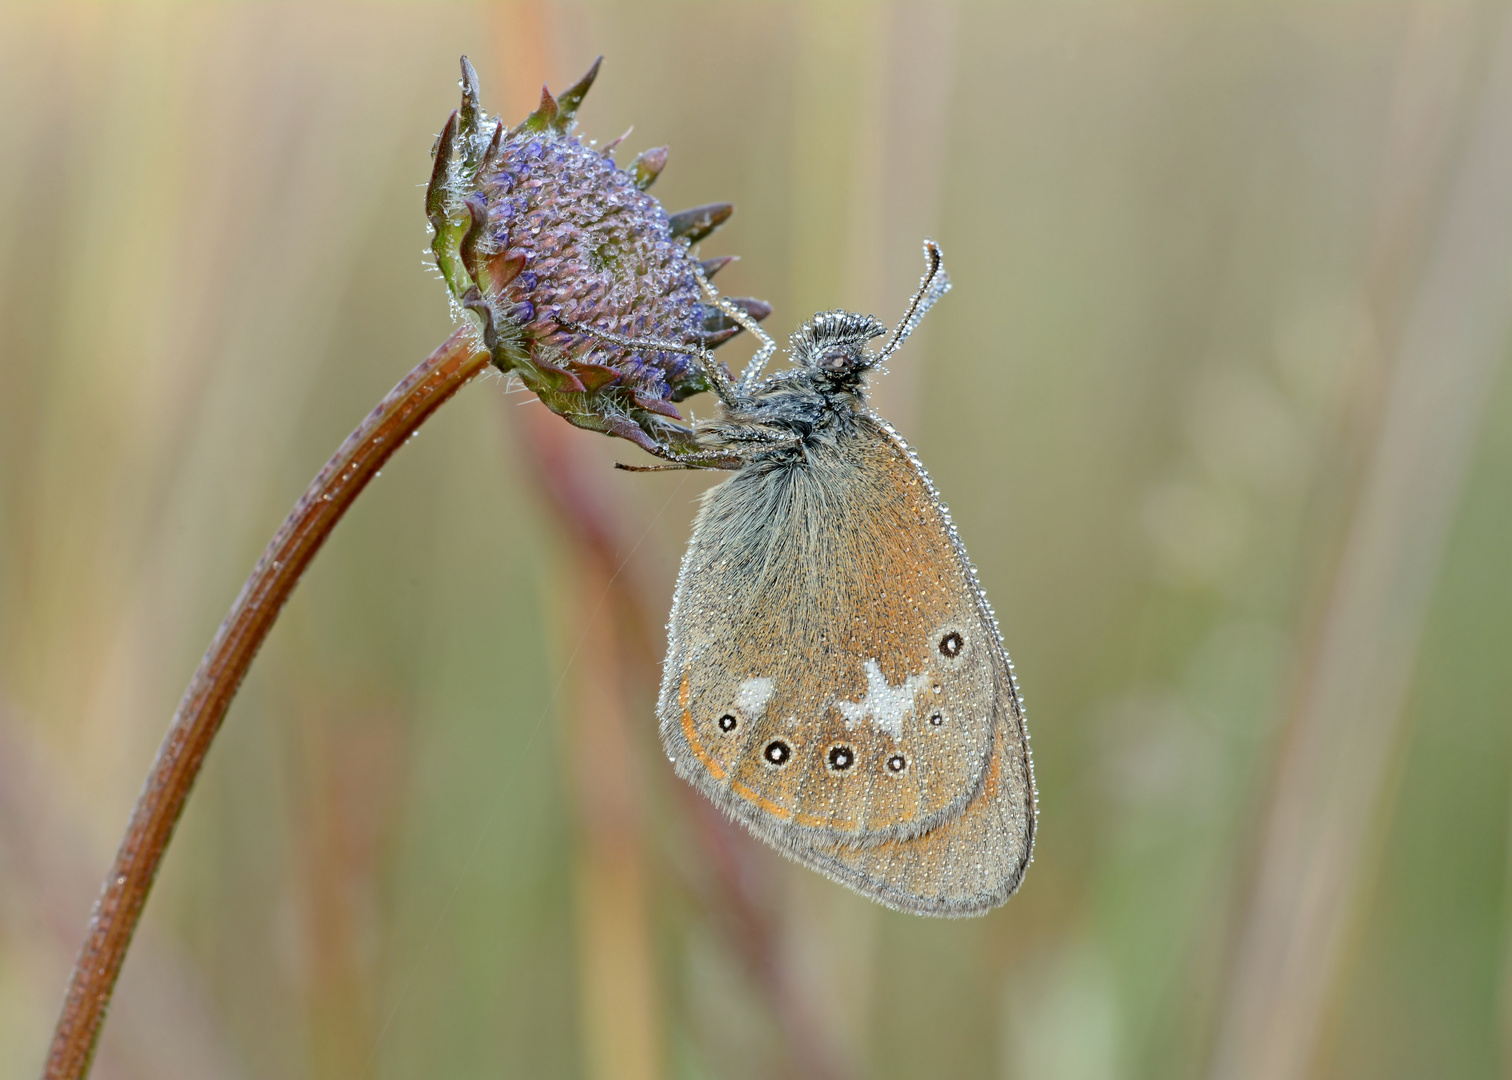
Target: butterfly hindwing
<point>964,866</point>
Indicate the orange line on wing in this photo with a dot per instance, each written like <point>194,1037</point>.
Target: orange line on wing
<point>717,771</point>
<point>766,804</point>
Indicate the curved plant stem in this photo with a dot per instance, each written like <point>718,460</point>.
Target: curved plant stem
<point>220,673</point>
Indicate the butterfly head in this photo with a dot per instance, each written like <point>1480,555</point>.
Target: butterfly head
<point>832,345</point>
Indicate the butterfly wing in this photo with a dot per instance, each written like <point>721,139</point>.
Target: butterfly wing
<point>832,670</point>
<point>967,865</point>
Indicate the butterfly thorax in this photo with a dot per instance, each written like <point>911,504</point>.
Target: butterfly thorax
<point>819,400</point>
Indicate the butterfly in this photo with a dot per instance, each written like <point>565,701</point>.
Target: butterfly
<point>835,680</point>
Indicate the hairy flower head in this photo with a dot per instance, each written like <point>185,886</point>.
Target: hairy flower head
<point>532,228</point>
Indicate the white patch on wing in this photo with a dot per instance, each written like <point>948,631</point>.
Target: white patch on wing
<point>886,705</point>
<point>753,695</point>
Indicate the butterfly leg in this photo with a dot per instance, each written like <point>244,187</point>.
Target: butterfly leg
<point>680,466</point>
<point>737,446</point>
<point>712,370</point>
<point>731,445</point>
<point>757,362</point>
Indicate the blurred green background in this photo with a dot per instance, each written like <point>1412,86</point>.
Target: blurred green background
<point>1219,402</point>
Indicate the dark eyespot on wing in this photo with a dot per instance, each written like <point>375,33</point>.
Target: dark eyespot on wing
<point>840,757</point>
<point>777,753</point>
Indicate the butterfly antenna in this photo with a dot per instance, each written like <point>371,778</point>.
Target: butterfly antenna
<point>934,284</point>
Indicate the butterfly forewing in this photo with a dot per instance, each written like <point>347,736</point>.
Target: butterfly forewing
<point>832,675</point>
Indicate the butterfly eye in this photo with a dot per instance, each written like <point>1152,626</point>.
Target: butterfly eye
<point>777,753</point>
<point>897,764</point>
<point>840,758</point>
<point>835,360</point>
<point>951,644</point>
<point>728,723</point>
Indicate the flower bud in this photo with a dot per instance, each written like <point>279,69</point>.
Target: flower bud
<point>532,229</point>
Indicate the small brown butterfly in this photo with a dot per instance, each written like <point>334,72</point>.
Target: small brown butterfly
<point>834,678</point>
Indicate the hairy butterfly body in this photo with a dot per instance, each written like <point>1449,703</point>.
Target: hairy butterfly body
<point>834,679</point>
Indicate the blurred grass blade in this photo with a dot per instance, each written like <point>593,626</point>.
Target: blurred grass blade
<point>1311,862</point>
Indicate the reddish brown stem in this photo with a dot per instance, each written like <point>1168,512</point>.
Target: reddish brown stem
<point>204,705</point>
